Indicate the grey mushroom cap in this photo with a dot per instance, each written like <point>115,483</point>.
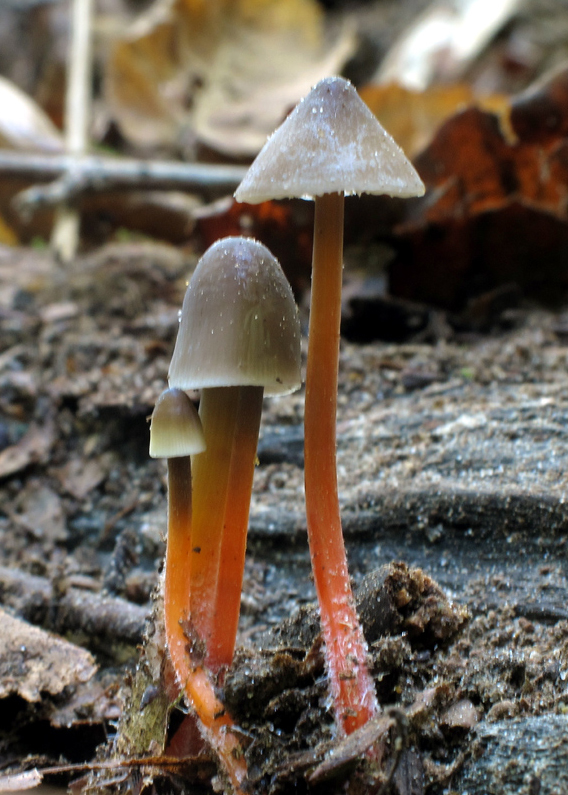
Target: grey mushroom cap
<point>175,427</point>
<point>239,322</point>
<point>330,143</point>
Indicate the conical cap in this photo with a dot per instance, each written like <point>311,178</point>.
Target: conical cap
<point>330,143</point>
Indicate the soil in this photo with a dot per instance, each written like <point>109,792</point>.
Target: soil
<point>452,479</point>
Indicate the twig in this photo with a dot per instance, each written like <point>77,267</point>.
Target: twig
<point>87,173</point>
<point>65,235</point>
<point>38,601</point>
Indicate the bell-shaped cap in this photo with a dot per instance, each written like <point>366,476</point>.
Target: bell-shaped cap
<point>330,143</point>
<point>175,427</point>
<point>239,322</point>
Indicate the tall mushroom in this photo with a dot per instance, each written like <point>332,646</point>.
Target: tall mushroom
<point>239,338</point>
<point>329,146</point>
<point>176,434</point>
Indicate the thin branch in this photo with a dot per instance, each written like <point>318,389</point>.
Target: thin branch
<point>65,235</point>
<point>88,173</point>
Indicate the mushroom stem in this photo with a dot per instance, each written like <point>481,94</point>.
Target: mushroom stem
<point>222,487</point>
<point>178,555</point>
<point>351,684</point>
<point>216,723</point>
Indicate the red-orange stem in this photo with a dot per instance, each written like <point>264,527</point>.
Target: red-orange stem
<point>351,684</point>
<point>216,723</point>
<point>221,644</point>
<point>222,483</point>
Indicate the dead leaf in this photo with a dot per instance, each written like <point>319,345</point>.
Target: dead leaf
<point>412,117</point>
<point>496,210</point>
<point>15,782</point>
<point>441,43</point>
<point>540,113</point>
<point>226,71</point>
<point>23,124</point>
<point>32,448</point>
<point>33,661</point>
<point>286,232</point>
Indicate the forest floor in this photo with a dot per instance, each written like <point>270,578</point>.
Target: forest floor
<point>452,477</point>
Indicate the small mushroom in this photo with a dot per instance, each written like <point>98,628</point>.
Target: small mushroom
<point>239,338</point>
<point>329,146</point>
<point>176,434</point>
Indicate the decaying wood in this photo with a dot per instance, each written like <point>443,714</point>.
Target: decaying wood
<point>71,609</point>
<point>518,757</point>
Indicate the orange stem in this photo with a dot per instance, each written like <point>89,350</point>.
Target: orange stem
<point>216,723</point>
<point>221,643</point>
<point>222,486</point>
<point>211,470</point>
<point>352,687</point>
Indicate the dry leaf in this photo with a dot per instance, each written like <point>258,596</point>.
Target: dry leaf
<point>16,782</point>
<point>496,210</point>
<point>412,117</point>
<point>33,661</point>
<point>443,41</point>
<point>227,71</point>
<point>23,124</point>
<point>286,232</point>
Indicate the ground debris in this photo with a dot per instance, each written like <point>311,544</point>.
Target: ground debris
<point>33,661</point>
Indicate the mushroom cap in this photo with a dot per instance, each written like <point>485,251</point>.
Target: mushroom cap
<point>330,143</point>
<point>239,322</point>
<point>175,428</point>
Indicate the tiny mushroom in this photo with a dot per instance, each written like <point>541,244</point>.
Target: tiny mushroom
<point>329,146</point>
<point>176,434</point>
<point>239,338</point>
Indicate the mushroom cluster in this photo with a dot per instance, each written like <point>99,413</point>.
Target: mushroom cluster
<point>239,339</point>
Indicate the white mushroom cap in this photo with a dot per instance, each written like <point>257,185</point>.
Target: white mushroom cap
<point>239,322</point>
<point>330,143</point>
<point>175,429</point>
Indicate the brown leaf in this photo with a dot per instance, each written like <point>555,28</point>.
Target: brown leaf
<point>226,71</point>
<point>540,114</point>
<point>412,117</point>
<point>496,210</point>
<point>287,233</point>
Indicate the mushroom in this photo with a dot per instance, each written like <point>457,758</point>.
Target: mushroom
<point>239,338</point>
<point>329,146</point>
<point>176,434</point>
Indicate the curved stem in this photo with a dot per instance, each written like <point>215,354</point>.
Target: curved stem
<point>351,684</point>
<point>222,485</point>
<point>215,722</point>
